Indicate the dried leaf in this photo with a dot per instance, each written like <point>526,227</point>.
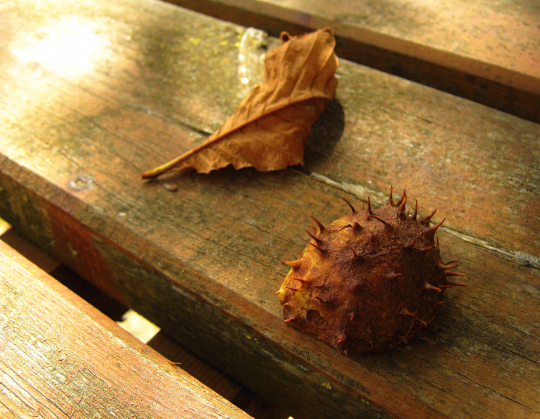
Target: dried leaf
<point>271,125</point>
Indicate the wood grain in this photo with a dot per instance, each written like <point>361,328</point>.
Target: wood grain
<point>473,164</point>
<point>164,345</point>
<point>203,262</point>
<point>62,358</point>
<point>482,51</point>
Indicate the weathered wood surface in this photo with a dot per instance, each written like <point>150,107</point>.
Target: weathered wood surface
<point>197,368</point>
<point>63,274</point>
<point>483,50</point>
<point>60,357</point>
<point>203,262</point>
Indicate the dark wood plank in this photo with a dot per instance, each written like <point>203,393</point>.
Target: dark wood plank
<point>62,358</point>
<point>89,292</point>
<point>30,251</point>
<point>203,262</point>
<point>204,372</point>
<point>482,51</point>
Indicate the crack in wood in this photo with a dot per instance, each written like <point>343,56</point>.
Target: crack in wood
<point>361,192</point>
<point>490,389</point>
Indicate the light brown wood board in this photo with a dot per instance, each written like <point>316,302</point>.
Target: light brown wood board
<point>62,358</point>
<point>161,343</point>
<point>203,262</point>
<point>483,51</point>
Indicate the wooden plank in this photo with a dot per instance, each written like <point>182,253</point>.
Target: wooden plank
<point>482,51</point>
<point>407,126</point>
<point>463,159</point>
<point>61,358</point>
<point>492,322</point>
<point>80,286</point>
<point>203,263</point>
<point>164,345</point>
<point>89,292</point>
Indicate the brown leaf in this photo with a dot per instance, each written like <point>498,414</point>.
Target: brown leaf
<point>272,123</point>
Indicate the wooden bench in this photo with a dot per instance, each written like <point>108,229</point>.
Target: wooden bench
<point>175,354</point>
<point>151,81</point>
<point>60,357</point>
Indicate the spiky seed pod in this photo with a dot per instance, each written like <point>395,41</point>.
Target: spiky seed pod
<point>369,280</point>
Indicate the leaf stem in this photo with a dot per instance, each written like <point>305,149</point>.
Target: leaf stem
<point>163,168</point>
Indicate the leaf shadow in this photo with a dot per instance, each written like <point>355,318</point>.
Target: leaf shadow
<point>325,134</point>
